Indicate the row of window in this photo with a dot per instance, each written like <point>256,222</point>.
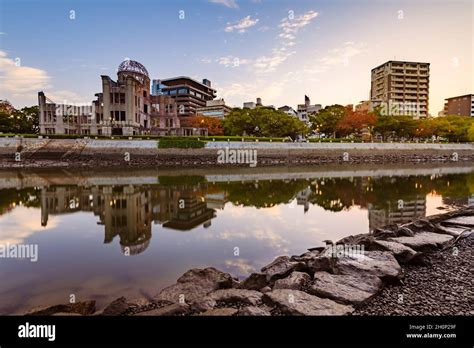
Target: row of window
<point>179,91</point>
<point>117,115</point>
<point>117,98</point>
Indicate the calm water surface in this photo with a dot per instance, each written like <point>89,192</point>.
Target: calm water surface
<point>105,235</point>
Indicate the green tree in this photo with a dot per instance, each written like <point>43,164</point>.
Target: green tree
<point>262,121</point>
<point>326,120</point>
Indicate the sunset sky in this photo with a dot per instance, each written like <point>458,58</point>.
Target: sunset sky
<point>278,50</point>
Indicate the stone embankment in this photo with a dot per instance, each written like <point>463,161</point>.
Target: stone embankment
<point>429,262</point>
<point>18,152</point>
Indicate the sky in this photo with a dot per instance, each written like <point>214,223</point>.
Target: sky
<point>278,50</point>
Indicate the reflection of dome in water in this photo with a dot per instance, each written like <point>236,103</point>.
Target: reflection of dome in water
<point>135,249</point>
<point>133,67</point>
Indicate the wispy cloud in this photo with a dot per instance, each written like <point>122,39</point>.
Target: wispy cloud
<point>23,81</point>
<point>242,25</point>
<point>270,62</point>
<point>18,79</point>
<point>341,56</point>
<point>289,27</point>
<point>226,3</point>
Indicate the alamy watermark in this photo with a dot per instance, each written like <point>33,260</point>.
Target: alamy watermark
<point>19,251</point>
<point>237,156</point>
<point>345,250</point>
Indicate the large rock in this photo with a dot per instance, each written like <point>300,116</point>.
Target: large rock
<point>402,253</point>
<point>196,283</point>
<point>117,307</point>
<point>203,304</point>
<point>348,289</point>
<point>295,281</point>
<point>454,231</point>
<point>251,297</point>
<point>281,267</point>
<point>252,311</point>
<point>305,257</point>
<point>167,311</point>
<point>295,302</point>
<point>424,241</point>
<point>359,239</point>
<point>378,263</point>
<point>467,221</point>
<point>82,308</point>
<point>255,281</point>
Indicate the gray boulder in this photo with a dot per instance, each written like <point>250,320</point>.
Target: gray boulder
<point>295,281</point>
<point>378,263</point>
<point>295,302</point>
<point>281,267</point>
<point>82,308</point>
<point>424,241</point>
<point>348,289</point>
<point>251,297</point>
<point>117,307</point>
<point>196,283</point>
<point>167,311</point>
<point>254,281</point>
<point>402,253</point>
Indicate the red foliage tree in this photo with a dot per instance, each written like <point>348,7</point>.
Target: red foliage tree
<point>213,124</point>
<point>355,122</point>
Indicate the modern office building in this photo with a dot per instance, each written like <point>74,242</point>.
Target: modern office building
<point>214,108</point>
<point>462,105</point>
<point>401,88</point>
<point>188,93</point>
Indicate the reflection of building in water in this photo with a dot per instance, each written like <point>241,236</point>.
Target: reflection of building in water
<point>122,210</point>
<point>397,212</point>
<point>216,200</point>
<point>458,201</point>
<point>128,211</point>
<point>302,198</point>
<point>181,210</point>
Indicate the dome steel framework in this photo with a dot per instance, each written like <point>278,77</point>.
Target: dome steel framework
<point>132,66</point>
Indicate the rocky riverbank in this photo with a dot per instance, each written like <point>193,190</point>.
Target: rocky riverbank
<point>89,153</point>
<point>424,267</point>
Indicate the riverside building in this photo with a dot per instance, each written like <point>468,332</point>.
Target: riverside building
<point>124,107</point>
<point>401,88</point>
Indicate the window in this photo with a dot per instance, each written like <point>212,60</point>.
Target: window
<point>111,98</point>
<point>172,92</point>
<point>122,98</point>
<point>111,115</point>
<point>122,115</point>
<point>182,91</point>
<point>145,108</point>
<point>117,115</point>
<point>144,94</point>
